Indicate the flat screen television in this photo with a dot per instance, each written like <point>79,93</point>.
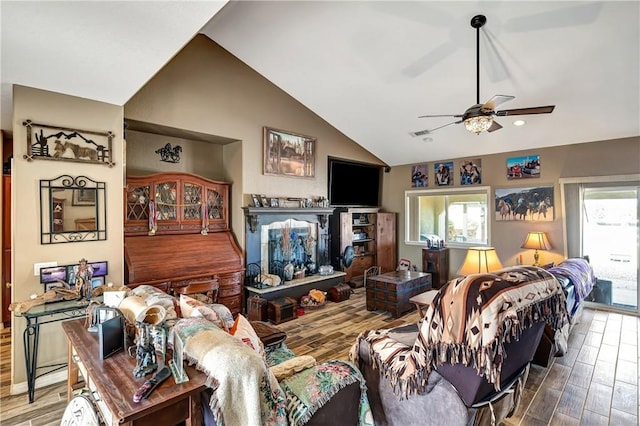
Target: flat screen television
<point>353,183</point>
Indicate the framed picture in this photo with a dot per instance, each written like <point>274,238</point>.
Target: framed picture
<point>524,167</point>
<point>444,173</point>
<point>48,142</point>
<point>100,269</point>
<point>470,172</point>
<point>84,197</point>
<point>275,202</point>
<point>531,204</point>
<point>97,282</point>
<point>265,201</point>
<point>53,274</point>
<point>288,154</point>
<point>419,176</point>
<point>256,200</point>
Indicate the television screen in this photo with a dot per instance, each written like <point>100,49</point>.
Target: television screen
<point>353,184</point>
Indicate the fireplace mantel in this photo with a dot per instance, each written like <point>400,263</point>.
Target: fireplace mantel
<point>253,214</point>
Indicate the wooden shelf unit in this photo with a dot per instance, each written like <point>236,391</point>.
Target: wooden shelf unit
<point>371,233</point>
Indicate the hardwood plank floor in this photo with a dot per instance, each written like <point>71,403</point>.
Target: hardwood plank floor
<point>595,383</point>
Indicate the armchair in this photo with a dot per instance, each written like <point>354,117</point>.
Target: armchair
<point>466,362</point>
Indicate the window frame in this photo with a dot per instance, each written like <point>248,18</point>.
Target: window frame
<point>475,190</point>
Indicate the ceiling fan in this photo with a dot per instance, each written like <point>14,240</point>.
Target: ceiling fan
<point>480,117</point>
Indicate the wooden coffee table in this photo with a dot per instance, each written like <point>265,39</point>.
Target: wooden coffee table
<point>423,300</point>
<point>391,291</point>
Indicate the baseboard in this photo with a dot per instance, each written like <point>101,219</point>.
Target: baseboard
<point>49,379</point>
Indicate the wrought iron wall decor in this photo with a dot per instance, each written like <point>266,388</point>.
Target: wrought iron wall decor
<point>169,154</point>
<point>62,220</point>
<point>65,144</point>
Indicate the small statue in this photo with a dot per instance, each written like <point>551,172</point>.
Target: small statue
<point>83,275</point>
<point>145,352</point>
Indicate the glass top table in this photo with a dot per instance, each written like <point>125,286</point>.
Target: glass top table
<point>45,314</point>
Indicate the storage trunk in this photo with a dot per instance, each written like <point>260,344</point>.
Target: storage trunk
<point>339,292</point>
<point>282,309</point>
<point>257,308</point>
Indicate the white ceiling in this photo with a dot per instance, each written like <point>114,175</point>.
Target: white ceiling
<point>369,68</point>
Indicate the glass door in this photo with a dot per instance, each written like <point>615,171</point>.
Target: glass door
<point>610,239</point>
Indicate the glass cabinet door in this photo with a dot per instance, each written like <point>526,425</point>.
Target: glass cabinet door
<point>191,201</point>
<point>214,204</point>
<point>138,202</point>
<point>166,197</point>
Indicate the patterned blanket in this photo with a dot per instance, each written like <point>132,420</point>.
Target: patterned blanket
<point>580,273</point>
<point>468,322</point>
<point>308,390</point>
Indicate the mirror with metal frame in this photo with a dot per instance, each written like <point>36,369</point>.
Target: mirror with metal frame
<point>72,209</point>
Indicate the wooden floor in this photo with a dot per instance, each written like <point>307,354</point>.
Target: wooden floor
<point>596,383</point>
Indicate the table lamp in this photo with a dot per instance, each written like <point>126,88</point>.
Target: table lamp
<point>480,259</point>
<point>536,241</point>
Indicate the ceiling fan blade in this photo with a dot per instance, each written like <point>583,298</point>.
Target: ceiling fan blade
<point>444,115</point>
<point>496,101</point>
<point>494,126</point>
<point>426,132</point>
<point>525,111</point>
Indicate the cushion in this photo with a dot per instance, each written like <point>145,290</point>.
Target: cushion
<point>292,366</point>
<point>243,330</point>
<point>190,307</point>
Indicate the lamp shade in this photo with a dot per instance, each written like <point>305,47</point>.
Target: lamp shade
<point>480,259</point>
<point>536,241</point>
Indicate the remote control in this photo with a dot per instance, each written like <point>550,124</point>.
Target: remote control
<point>148,386</point>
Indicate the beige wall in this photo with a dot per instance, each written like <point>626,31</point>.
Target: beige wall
<point>206,89</point>
<point>201,158</point>
<point>66,111</point>
<point>613,157</point>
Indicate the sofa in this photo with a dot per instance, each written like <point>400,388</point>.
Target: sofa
<point>466,361</point>
<point>577,278</point>
<point>251,359</point>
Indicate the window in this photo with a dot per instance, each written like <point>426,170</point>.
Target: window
<point>601,221</point>
<point>457,216</point>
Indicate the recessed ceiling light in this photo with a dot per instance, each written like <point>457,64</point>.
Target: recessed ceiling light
<point>519,123</point>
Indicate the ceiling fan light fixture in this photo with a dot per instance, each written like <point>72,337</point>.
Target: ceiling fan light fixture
<point>478,124</point>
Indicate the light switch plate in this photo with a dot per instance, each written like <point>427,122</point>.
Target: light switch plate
<point>37,266</point>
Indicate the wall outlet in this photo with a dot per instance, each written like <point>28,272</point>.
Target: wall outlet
<point>37,266</point>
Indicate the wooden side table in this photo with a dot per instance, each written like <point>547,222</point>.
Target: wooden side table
<point>436,262</point>
<point>112,385</point>
<point>423,300</point>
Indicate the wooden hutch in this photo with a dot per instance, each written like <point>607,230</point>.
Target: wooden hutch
<point>176,231</point>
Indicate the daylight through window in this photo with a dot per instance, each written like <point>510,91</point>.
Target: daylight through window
<point>457,216</point>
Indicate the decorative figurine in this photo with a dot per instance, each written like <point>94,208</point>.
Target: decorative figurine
<point>145,352</point>
<point>83,275</point>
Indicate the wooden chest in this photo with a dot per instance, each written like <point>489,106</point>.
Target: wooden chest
<point>339,292</point>
<point>282,309</point>
<point>392,291</point>
<point>257,308</point>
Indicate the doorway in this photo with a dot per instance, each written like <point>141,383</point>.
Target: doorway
<point>610,238</point>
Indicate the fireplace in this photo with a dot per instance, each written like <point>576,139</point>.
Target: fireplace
<point>275,234</point>
<point>288,241</point>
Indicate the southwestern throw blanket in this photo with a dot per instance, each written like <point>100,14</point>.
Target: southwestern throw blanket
<point>468,322</point>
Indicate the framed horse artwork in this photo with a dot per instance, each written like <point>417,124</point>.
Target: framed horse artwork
<point>531,204</point>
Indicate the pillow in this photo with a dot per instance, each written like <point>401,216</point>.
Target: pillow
<point>292,366</point>
<point>190,307</point>
<point>243,330</point>
<point>224,313</point>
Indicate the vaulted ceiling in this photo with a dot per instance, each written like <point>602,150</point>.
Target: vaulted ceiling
<point>369,68</point>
